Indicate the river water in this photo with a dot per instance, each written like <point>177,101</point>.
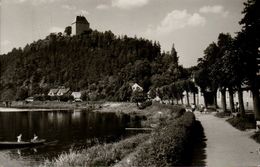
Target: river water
<point>63,130</point>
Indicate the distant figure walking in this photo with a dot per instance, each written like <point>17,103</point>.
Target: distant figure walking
<point>193,107</point>
<point>19,138</point>
<point>201,108</point>
<point>34,138</point>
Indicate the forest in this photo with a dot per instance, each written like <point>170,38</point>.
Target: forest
<point>100,64</point>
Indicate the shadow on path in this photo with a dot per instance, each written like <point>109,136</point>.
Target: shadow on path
<point>227,146</point>
<point>198,155</point>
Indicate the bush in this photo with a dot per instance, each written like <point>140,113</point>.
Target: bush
<point>256,137</point>
<point>100,154</point>
<point>178,111</point>
<point>66,98</point>
<point>223,114</point>
<point>38,98</point>
<point>53,98</point>
<point>145,104</point>
<point>169,146</point>
<point>139,97</point>
<point>243,123</point>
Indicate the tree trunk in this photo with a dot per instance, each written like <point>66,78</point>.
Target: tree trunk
<point>223,99</point>
<point>231,99</point>
<point>172,101</point>
<point>198,97</point>
<point>182,100</point>
<point>241,101</point>
<point>205,101</point>
<point>188,100</point>
<point>215,99</point>
<point>256,102</point>
<point>194,98</point>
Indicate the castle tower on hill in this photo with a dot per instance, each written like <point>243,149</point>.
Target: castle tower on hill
<point>80,25</point>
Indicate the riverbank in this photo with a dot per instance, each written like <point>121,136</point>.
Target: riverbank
<point>47,105</point>
<point>125,107</point>
<point>169,141</point>
<point>4,109</point>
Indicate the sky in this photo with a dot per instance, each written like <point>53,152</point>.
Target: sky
<point>191,25</point>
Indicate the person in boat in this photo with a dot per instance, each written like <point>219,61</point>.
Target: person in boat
<point>35,138</point>
<point>19,138</point>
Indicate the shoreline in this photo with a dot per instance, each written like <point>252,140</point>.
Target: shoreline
<point>97,106</point>
<point>14,109</point>
<point>21,106</point>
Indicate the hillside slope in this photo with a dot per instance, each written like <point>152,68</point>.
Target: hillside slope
<point>95,61</point>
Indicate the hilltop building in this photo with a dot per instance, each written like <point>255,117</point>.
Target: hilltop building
<point>80,25</point>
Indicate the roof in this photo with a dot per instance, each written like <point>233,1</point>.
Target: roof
<point>81,19</point>
<point>63,91</point>
<point>137,87</point>
<point>53,91</point>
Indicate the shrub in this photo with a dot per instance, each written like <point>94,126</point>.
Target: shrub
<point>256,137</point>
<point>243,123</point>
<point>139,97</point>
<point>169,146</point>
<point>98,155</point>
<point>53,98</point>
<point>223,114</point>
<point>66,98</point>
<point>144,104</point>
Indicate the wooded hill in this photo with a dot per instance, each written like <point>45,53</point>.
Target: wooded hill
<point>95,61</point>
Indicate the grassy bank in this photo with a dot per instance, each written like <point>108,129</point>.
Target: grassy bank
<point>99,155</point>
<point>55,105</point>
<point>168,145</point>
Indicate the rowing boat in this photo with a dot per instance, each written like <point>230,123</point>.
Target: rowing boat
<point>12,144</point>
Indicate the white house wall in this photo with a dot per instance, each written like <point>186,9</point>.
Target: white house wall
<point>247,97</point>
<point>199,98</point>
<point>73,27</point>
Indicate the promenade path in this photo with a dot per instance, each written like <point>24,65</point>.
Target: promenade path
<point>227,146</point>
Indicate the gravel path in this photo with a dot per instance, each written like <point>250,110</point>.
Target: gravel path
<point>227,146</point>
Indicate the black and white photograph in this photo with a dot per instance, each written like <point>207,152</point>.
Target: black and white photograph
<point>129,83</point>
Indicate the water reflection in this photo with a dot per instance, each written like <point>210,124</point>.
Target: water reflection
<point>62,129</point>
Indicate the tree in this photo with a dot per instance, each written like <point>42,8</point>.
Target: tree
<point>125,92</point>
<point>205,77</point>
<point>202,79</point>
<point>22,94</point>
<point>7,96</point>
<point>222,68</point>
<point>68,30</point>
<point>212,55</point>
<point>175,58</point>
<point>249,42</point>
<point>139,97</point>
